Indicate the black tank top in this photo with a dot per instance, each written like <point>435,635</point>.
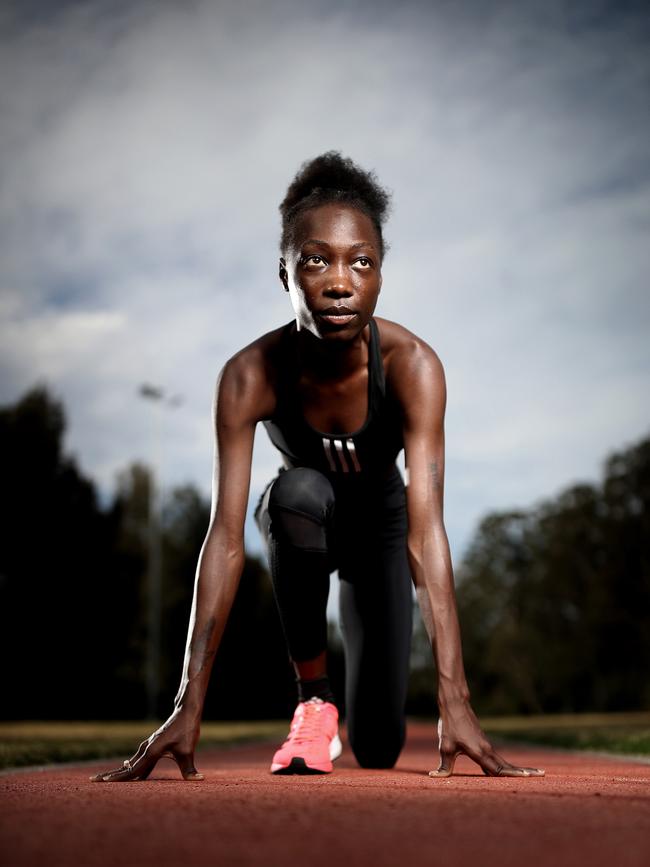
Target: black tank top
<point>366,453</point>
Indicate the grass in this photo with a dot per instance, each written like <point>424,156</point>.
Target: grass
<point>617,733</point>
<point>41,743</point>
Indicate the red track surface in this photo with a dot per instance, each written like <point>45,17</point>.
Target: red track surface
<point>586,810</point>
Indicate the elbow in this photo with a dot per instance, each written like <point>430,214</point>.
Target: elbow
<point>233,550</point>
<point>227,544</point>
<point>420,543</point>
<point>235,555</point>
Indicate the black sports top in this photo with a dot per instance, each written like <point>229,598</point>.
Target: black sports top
<point>369,451</point>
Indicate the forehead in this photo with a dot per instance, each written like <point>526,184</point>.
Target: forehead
<point>336,223</point>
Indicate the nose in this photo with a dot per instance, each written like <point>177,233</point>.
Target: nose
<point>339,285</point>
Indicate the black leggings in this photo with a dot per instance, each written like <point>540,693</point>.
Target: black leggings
<point>311,527</point>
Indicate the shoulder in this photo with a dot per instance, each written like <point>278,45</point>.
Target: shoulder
<point>413,368</point>
<point>245,388</point>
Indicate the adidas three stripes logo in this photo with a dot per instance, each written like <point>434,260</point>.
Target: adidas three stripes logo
<point>341,455</point>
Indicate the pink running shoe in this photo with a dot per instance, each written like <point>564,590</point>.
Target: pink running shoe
<point>313,740</point>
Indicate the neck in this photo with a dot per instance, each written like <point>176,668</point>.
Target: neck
<point>325,359</point>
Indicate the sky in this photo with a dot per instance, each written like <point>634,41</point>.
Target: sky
<point>145,148</point>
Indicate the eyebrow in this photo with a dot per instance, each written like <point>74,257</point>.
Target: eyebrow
<point>354,246</point>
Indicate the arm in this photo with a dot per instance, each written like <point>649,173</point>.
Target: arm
<point>219,568</point>
<point>221,560</point>
<point>420,380</point>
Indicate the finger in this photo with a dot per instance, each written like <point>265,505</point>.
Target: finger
<point>446,767</point>
<point>137,768</point>
<point>494,765</point>
<point>515,771</point>
<point>144,765</point>
<point>99,778</point>
<point>489,761</point>
<point>186,766</point>
<point>510,770</point>
<point>139,753</point>
<point>116,775</point>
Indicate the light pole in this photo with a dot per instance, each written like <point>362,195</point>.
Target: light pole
<point>154,548</point>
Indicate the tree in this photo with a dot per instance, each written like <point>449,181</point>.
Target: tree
<point>52,532</point>
<point>554,602</point>
<point>73,589</point>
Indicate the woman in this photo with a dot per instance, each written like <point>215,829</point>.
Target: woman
<point>340,394</point>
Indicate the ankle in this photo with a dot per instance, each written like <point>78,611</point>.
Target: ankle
<point>317,687</point>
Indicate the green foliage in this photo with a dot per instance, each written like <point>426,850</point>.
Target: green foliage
<point>554,602</point>
<point>51,563</point>
<point>74,593</point>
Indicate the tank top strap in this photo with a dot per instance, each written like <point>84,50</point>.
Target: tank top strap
<point>376,368</point>
<point>287,368</point>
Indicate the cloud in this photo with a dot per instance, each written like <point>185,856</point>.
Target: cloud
<point>144,150</point>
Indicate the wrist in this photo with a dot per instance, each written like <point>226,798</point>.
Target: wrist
<point>190,710</point>
<point>451,694</point>
<point>189,701</point>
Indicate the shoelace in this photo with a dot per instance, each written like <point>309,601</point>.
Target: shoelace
<point>308,725</point>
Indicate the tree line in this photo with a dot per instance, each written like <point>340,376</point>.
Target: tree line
<point>73,590</point>
<point>553,601</point>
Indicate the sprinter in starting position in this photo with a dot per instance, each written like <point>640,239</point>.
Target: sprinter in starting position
<point>340,392</point>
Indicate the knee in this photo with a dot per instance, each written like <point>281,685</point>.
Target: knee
<point>378,756</point>
<point>377,746</point>
<point>304,491</point>
<point>300,505</point>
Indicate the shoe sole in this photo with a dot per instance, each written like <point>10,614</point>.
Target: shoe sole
<point>299,766</point>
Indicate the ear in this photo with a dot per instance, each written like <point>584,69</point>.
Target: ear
<point>381,280</point>
<point>284,277</point>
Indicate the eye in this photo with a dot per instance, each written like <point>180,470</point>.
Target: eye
<point>312,259</point>
<point>364,262</point>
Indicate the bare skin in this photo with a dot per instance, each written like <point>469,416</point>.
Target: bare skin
<point>335,261</point>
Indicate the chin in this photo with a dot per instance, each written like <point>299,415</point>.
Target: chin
<point>326,331</point>
<point>332,333</point>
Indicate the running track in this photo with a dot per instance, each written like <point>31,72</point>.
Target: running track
<point>586,810</point>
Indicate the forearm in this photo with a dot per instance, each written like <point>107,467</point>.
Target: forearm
<point>432,573</point>
<point>217,578</point>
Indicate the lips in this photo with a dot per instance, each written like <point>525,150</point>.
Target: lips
<point>339,315</point>
<point>339,310</point>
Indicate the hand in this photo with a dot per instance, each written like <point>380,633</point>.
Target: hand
<point>175,739</point>
<point>459,732</point>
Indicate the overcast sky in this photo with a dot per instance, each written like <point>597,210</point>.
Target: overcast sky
<point>145,147</point>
